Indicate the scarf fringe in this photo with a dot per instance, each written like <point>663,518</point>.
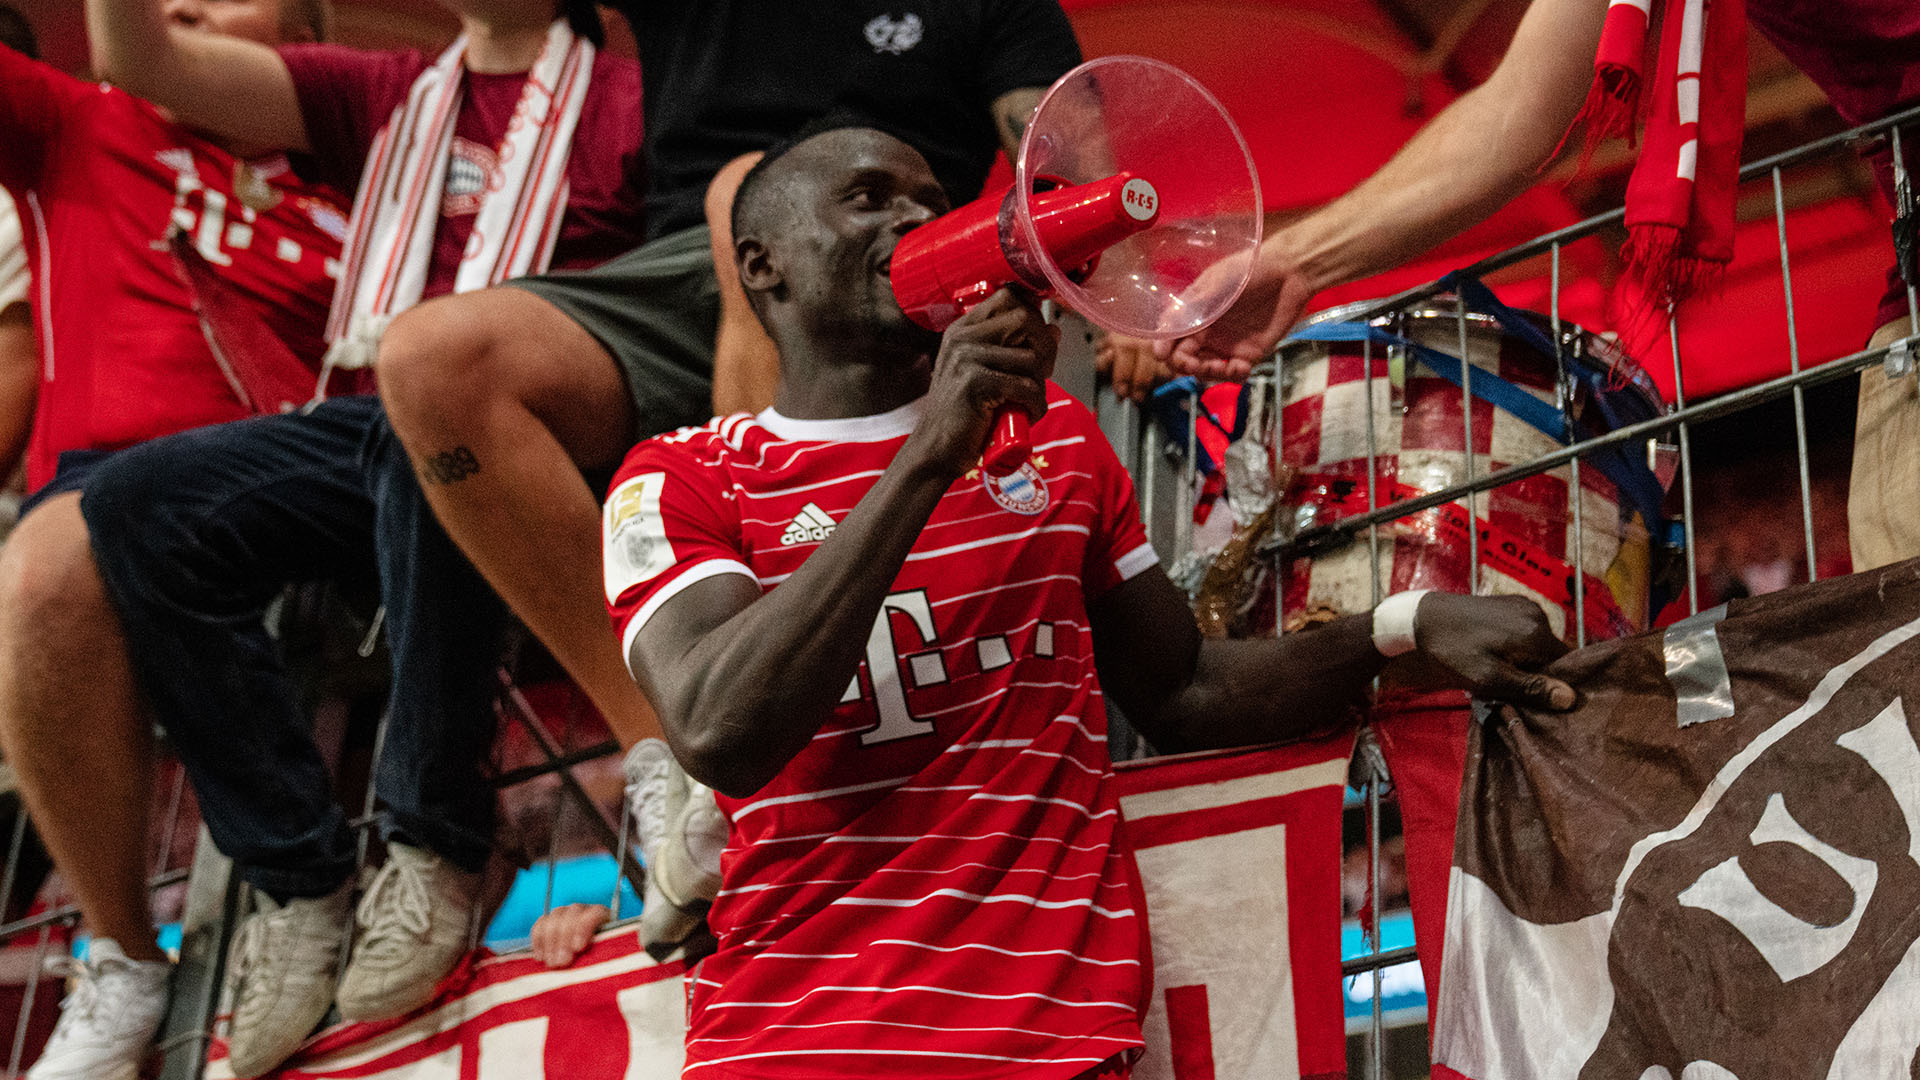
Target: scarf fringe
<point>1654,258</point>
<point>1610,111</point>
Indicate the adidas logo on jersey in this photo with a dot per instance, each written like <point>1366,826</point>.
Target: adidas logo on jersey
<point>810,526</point>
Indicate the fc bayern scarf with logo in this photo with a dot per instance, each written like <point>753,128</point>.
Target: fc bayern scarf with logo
<point>390,245</point>
<point>1680,200</point>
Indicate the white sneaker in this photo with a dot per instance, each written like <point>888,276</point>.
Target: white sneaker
<point>681,834</point>
<point>285,961</point>
<point>415,925</point>
<point>109,1017</point>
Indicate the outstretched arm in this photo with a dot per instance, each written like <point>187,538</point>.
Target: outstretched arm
<point>1184,693</point>
<point>1471,160</point>
<point>229,87</point>
<point>743,681</point>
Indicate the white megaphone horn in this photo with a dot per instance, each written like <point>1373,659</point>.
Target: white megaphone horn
<point>1131,183</point>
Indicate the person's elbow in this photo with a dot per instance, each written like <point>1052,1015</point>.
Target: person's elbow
<point>716,755</point>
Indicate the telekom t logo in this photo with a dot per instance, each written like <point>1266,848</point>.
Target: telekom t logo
<point>883,667</point>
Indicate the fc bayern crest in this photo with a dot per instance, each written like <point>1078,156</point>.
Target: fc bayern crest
<point>1022,492</point>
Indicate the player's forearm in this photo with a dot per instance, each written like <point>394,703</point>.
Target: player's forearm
<point>755,690</point>
<point>1243,693</point>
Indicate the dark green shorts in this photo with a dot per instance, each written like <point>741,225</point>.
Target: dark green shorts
<point>656,309</point>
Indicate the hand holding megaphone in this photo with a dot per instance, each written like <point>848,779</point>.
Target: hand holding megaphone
<point>1131,183</point>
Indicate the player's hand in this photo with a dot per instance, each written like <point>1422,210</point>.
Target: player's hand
<point>1495,646</point>
<point>565,932</point>
<point>1275,296</point>
<point>1129,364</point>
<point>999,354</point>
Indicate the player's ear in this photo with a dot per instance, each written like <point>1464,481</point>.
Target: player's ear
<point>759,269</point>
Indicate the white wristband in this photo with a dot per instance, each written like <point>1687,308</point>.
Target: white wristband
<point>1393,622</point>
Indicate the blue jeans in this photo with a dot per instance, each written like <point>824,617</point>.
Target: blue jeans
<point>196,533</point>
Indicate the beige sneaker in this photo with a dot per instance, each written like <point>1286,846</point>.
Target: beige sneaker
<point>107,1021</point>
<point>285,960</point>
<point>681,833</point>
<point>415,923</point>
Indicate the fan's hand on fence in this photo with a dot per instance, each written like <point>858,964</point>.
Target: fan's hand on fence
<point>565,932</point>
<point>1494,646</point>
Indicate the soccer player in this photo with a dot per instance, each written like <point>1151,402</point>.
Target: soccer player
<point>893,667</point>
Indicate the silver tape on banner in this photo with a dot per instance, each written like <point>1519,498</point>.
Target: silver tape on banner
<point>1697,670</point>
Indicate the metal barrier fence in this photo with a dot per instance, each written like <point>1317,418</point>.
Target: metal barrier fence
<point>199,884</point>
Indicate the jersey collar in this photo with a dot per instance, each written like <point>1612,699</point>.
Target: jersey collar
<point>879,428</point>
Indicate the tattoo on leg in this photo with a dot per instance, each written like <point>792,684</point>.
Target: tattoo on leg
<point>449,467</point>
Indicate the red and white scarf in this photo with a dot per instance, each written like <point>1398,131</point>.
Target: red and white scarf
<point>390,240</point>
<point>1680,199</point>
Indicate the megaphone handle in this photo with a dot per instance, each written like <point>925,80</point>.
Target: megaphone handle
<point>1010,445</point>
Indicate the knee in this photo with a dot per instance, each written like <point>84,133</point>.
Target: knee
<point>48,578</point>
<point>442,359</point>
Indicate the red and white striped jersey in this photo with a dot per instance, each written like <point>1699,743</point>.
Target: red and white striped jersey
<point>933,887</point>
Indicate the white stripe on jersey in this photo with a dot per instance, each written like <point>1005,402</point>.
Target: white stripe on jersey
<point>983,898</point>
<point>808,487</point>
<point>911,1027</point>
<point>1004,538</point>
<point>1008,586</point>
<point>1075,441</point>
<point>1003,952</point>
<point>772,885</point>
<point>1045,801</point>
<point>815,796</point>
<point>898,1053</point>
<point>916,988</point>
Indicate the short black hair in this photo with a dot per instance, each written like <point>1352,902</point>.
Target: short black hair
<point>741,215</point>
<point>16,32</point>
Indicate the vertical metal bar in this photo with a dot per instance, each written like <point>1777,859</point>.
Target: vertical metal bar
<point>1281,567</point>
<point>14,847</point>
<point>1686,465</point>
<point>1373,485</point>
<point>361,844</point>
<point>28,996</point>
<point>1149,472</point>
<point>1900,172</point>
<point>1575,494</point>
<point>1189,478</point>
<point>1376,1063</point>
<point>620,853</point>
<point>553,846</point>
<point>173,820</point>
<point>1799,395</point>
<point>1466,432</point>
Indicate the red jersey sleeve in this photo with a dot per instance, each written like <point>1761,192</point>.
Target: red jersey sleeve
<point>1118,548</point>
<point>670,520</point>
<point>345,96</point>
<point>36,101</point>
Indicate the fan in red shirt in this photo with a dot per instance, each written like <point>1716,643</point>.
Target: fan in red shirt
<point>892,667</point>
<point>102,179</point>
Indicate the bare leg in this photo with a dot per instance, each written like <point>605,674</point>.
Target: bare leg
<point>72,724</point>
<point>501,400</point>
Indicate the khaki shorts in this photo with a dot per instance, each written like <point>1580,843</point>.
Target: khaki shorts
<point>1883,501</point>
<point>656,309</point>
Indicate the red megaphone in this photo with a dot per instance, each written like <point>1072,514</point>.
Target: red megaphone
<point>957,260</point>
